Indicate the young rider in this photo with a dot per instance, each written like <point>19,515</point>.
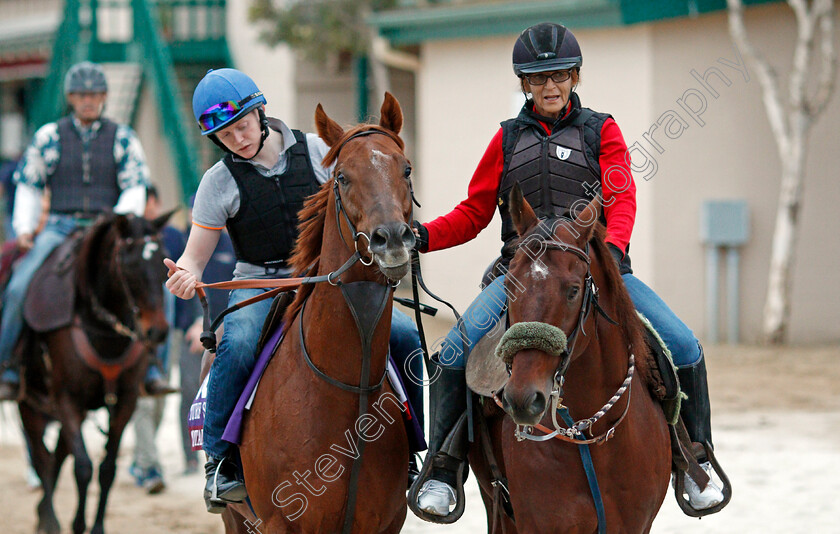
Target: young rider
<point>255,191</point>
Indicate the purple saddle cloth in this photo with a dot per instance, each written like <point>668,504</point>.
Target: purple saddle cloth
<point>233,430</point>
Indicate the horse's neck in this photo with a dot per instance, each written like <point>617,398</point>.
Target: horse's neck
<point>328,318</point>
<point>602,366</point>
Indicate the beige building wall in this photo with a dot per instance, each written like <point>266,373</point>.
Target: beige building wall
<point>638,74</point>
<point>734,156</point>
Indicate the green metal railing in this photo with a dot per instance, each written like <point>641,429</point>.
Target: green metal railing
<point>158,64</point>
<point>65,52</point>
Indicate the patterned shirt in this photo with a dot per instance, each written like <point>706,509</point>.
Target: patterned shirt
<point>42,155</point>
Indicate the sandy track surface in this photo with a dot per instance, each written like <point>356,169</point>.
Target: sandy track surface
<point>776,419</point>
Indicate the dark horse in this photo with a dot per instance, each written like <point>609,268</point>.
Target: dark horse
<point>321,403</point>
<point>98,357</point>
<point>570,343</point>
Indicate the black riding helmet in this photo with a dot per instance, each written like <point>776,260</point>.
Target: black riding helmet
<point>546,47</point>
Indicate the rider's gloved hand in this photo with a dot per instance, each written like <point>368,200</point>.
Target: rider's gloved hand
<point>421,235</point>
<point>616,252</point>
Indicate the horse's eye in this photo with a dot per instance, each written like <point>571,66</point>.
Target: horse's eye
<point>408,171</point>
<point>573,293</point>
<point>340,178</point>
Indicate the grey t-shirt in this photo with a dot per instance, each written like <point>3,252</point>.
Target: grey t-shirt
<point>217,198</point>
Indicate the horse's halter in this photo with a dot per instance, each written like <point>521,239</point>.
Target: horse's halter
<point>133,332</point>
<point>589,302</point>
<point>339,205</point>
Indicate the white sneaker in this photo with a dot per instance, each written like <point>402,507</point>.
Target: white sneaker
<point>436,497</point>
<point>700,500</point>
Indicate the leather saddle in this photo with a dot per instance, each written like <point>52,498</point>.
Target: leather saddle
<point>51,295</point>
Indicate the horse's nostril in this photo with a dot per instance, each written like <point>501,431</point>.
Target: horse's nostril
<point>379,240</point>
<point>408,238</point>
<point>536,403</point>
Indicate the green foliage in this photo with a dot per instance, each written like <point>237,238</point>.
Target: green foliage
<point>318,28</point>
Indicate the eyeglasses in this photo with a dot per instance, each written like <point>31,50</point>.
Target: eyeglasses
<point>540,78</point>
<point>219,114</point>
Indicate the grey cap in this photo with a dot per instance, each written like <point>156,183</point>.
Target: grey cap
<point>85,77</point>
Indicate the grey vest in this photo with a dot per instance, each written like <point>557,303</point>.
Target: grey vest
<point>85,179</point>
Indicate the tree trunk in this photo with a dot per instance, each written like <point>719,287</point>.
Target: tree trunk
<point>785,235</point>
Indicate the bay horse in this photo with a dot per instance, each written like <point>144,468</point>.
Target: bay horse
<point>98,358</point>
<point>573,331</point>
<point>324,448</point>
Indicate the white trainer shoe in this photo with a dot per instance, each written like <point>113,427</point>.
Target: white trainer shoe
<point>436,497</point>
<point>700,500</point>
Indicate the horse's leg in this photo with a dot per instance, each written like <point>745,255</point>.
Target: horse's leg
<point>34,424</point>
<point>71,433</point>
<point>236,523</point>
<point>120,416</point>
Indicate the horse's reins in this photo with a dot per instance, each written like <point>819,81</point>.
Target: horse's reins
<point>574,431</point>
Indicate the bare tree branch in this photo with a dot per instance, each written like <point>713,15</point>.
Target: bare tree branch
<point>801,55</point>
<point>828,67</point>
<point>767,77</point>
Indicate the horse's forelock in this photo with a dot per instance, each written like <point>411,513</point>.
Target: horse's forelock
<point>332,155</point>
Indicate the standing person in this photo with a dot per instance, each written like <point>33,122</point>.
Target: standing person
<point>146,467</point>
<point>586,155</point>
<point>90,165</point>
<point>256,191</point>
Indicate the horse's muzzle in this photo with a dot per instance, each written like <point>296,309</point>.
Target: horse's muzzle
<point>157,334</point>
<point>390,245</point>
<point>525,409</point>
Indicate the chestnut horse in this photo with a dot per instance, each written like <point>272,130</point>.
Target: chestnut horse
<point>115,321</point>
<point>573,330</point>
<point>311,419</point>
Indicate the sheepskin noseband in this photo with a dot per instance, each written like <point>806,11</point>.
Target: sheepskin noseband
<point>531,335</point>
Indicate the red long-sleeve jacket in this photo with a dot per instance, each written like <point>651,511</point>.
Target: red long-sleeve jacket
<point>475,212</point>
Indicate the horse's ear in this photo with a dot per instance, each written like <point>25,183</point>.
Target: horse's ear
<point>159,222</point>
<point>391,117</point>
<point>585,219</point>
<point>328,129</point>
<point>122,224</point>
<point>522,213</point>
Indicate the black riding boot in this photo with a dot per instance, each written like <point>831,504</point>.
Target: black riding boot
<point>695,410</point>
<point>448,401</point>
<point>222,487</point>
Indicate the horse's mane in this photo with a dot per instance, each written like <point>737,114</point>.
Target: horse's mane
<point>88,264</point>
<point>311,217</point>
<point>628,321</point>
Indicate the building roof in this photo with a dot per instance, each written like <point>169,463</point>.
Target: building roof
<point>416,22</point>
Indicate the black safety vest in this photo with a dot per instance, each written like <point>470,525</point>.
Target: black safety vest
<point>85,178</point>
<point>554,171</point>
<point>264,229</point>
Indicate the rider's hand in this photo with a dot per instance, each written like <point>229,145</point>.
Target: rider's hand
<point>421,236</point>
<point>616,253</point>
<point>193,335</point>
<point>181,282</point>
<point>25,242</point>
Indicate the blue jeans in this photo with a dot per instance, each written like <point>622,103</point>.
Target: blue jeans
<point>484,313</point>
<point>678,337</point>
<point>405,348</point>
<point>481,317</point>
<point>54,233</point>
<point>236,357</point>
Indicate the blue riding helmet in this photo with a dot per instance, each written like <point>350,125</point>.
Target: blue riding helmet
<point>223,97</point>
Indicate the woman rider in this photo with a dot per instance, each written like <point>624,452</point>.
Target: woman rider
<point>586,156</point>
<point>256,191</point>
